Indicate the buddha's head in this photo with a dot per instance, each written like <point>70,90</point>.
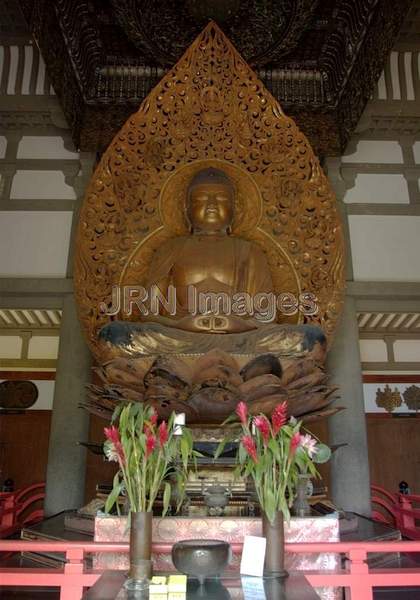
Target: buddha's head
<point>210,202</point>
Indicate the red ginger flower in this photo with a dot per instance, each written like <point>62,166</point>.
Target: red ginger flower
<point>151,422</point>
<point>150,444</point>
<point>163,433</point>
<point>294,443</point>
<point>279,417</point>
<point>242,412</point>
<point>113,435</point>
<point>249,445</point>
<point>262,424</point>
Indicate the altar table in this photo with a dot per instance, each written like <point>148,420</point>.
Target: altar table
<point>294,587</point>
<point>168,530</point>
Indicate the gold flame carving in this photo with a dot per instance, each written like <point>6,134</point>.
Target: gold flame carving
<point>210,109</point>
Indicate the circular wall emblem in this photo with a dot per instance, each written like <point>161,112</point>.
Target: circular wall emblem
<point>18,394</point>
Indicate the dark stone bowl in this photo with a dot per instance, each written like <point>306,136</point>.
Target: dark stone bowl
<point>201,558</point>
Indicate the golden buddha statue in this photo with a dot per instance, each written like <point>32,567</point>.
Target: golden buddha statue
<point>211,261</point>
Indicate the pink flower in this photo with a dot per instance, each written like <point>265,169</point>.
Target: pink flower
<point>113,436</point>
<point>163,434</point>
<point>242,412</point>
<point>150,444</point>
<point>263,425</point>
<point>294,443</point>
<point>153,418</point>
<point>249,445</point>
<point>309,443</point>
<point>279,417</point>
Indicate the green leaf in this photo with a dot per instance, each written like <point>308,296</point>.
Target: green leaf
<point>123,419</point>
<point>185,451</point>
<point>136,409</point>
<point>230,419</point>
<point>180,484</point>
<point>248,469</point>
<point>323,454</point>
<point>274,447</point>
<point>269,505</point>
<point>186,433</point>
<point>113,496</point>
<point>220,448</point>
<point>116,413</point>
<point>259,467</point>
<point>166,498</point>
<point>242,454</point>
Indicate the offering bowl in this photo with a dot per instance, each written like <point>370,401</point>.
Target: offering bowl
<point>201,558</point>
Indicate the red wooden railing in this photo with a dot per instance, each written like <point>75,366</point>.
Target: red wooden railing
<point>74,576</point>
<point>17,508</point>
<point>397,510</point>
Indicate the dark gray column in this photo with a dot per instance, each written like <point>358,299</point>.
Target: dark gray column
<point>350,479</point>
<point>69,425</point>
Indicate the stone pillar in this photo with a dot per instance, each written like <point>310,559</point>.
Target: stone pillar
<point>350,479</point>
<point>69,425</point>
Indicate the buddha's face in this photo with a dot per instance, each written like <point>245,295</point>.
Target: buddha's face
<point>210,207</point>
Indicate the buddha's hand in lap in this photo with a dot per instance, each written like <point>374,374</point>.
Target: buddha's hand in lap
<point>118,333</point>
<point>216,324</point>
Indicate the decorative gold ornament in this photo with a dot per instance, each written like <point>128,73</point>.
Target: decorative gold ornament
<point>412,397</point>
<point>388,399</point>
<point>209,110</point>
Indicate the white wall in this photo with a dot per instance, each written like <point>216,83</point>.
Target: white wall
<point>373,351</point>
<point>372,188</point>
<point>32,146</point>
<point>375,151</point>
<point>385,248</point>
<point>34,243</point>
<point>44,185</point>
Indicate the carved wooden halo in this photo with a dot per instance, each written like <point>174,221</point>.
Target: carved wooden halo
<point>284,202</point>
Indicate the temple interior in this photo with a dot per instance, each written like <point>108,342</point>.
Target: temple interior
<point>207,205</point>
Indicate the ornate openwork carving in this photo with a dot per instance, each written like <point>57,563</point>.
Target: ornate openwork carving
<point>210,107</point>
<point>275,29</point>
<point>322,66</point>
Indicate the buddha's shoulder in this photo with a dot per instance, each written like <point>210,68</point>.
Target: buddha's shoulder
<point>249,245</point>
<point>174,242</point>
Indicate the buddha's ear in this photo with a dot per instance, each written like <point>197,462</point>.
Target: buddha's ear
<point>188,221</point>
<point>229,230</point>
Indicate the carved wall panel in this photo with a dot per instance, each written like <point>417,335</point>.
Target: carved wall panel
<point>210,107</point>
